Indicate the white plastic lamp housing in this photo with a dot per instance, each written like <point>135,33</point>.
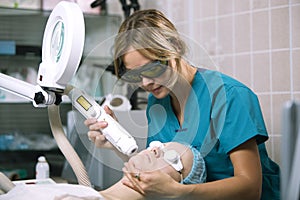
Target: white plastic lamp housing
<point>63,44</point>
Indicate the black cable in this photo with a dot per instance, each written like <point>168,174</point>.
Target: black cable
<point>126,8</point>
<point>135,5</point>
<point>97,3</point>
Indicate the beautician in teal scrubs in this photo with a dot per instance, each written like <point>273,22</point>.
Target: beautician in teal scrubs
<point>189,104</point>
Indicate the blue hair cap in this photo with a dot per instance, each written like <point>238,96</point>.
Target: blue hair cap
<point>198,171</point>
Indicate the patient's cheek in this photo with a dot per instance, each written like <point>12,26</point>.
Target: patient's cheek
<point>139,162</point>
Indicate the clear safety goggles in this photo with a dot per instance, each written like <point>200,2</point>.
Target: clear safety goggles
<point>171,156</point>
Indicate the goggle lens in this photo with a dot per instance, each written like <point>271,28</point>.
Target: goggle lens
<point>154,71</point>
<point>171,156</point>
<point>151,70</point>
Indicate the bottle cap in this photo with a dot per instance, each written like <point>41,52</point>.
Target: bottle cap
<point>42,159</point>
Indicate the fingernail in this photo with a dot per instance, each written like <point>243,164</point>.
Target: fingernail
<point>104,123</point>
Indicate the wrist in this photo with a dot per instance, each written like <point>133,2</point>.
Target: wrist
<point>182,190</point>
<point>179,190</point>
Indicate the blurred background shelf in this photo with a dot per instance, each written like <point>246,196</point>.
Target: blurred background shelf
<point>20,164</point>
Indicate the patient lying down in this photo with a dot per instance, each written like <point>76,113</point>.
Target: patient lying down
<point>183,163</point>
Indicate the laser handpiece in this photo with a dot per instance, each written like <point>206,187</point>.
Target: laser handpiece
<point>114,132</point>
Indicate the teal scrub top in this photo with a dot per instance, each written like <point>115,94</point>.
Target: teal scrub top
<point>220,114</point>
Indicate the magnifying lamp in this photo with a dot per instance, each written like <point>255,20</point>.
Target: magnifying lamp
<point>62,49</point>
<point>63,43</point>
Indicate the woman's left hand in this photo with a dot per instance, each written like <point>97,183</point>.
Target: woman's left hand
<point>149,183</point>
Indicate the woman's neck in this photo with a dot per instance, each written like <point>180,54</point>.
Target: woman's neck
<point>181,90</point>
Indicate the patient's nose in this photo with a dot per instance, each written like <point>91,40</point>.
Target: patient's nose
<point>157,151</point>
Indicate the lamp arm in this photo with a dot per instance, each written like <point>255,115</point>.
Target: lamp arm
<point>34,93</point>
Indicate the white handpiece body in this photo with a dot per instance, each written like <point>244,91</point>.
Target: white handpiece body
<point>114,132</point>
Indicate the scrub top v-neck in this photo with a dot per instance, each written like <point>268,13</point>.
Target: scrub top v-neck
<point>221,113</point>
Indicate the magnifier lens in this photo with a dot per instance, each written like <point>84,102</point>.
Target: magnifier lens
<point>57,41</point>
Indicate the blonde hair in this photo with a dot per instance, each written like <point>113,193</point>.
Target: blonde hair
<point>151,34</point>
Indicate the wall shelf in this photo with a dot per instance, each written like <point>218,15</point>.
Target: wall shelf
<point>26,28</point>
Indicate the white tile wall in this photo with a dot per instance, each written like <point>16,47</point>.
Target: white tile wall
<point>256,41</point>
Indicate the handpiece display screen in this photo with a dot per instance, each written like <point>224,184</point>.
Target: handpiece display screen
<point>84,103</point>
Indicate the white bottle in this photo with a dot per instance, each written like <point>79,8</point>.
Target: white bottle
<point>42,168</point>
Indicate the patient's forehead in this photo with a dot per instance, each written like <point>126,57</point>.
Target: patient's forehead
<point>180,148</point>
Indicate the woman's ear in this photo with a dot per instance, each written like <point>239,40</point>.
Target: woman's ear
<point>172,63</point>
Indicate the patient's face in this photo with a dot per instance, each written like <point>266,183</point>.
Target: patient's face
<point>150,160</point>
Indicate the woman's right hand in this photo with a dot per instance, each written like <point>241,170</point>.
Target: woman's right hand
<point>95,135</point>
